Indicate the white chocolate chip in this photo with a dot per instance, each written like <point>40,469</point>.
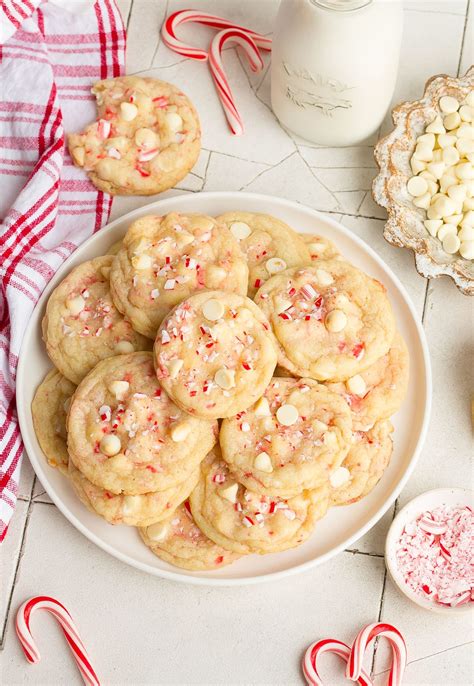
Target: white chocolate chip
<point>263,463</point>
<point>452,121</point>
<point>262,408</point>
<point>119,389</point>
<point>110,445</point>
<point>324,278</point>
<point>423,152</point>
<point>287,415</point>
<point>432,226</point>
<point>240,230</point>
<point>275,265</point>
<point>146,138</point>
<point>75,305</point>
<point>464,146</point>
<point>225,378</point>
<point>213,309</point>
<point>469,100</point>
<point>131,504</point>
<point>445,230</point>
<point>158,531</point>
<point>451,243</point>
<point>436,169</point>
<point>230,492</point>
<point>417,186</point>
<point>457,192</point>
<point>466,233</point>
<point>446,139</point>
<point>466,112</point>
<point>467,250</point>
<point>427,139</point>
<point>340,477</point>
<point>465,171</point>
<point>356,385</point>
<point>174,122</point>
<point>417,166</point>
<point>128,111</point>
<point>123,347</point>
<point>174,367</point>
<point>335,321</point>
<point>423,201</point>
<point>281,304</point>
<point>450,156</point>
<point>445,206</point>
<point>436,126</point>
<point>319,426</point>
<point>180,431</point>
<point>142,261</point>
<point>448,104</point>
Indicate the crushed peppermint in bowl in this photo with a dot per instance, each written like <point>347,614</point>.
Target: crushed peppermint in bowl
<point>429,550</point>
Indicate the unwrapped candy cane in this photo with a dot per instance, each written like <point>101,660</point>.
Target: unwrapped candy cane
<point>218,74</point>
<point>60,613</point>
<point>168,32</point>
<point>249,40</point>
<point>328,645</point>
<point>365,637</point>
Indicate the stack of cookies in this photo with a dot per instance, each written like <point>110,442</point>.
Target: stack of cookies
<point>219,384</point>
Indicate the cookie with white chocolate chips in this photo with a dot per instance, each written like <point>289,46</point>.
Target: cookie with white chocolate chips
<point>133,510</point>
<point>163,260</point>
<point>146,137</point>
<point>126,435</point>
<point>294,436</point>
<point>331,320</point>
<point>180,542</point>
<point>49,411</point>
<point>215,354</point>
<point>82,325</point>
<point>364,464</point>
<point>269,244</point>
<point>247,522</point>
<point>378,391</point>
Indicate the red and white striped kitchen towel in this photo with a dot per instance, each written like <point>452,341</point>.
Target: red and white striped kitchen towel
<point>50,55</point>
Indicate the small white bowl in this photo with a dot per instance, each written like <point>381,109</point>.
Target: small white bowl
<point>422,503</point>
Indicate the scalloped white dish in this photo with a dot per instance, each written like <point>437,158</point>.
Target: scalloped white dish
<point>341,526</point>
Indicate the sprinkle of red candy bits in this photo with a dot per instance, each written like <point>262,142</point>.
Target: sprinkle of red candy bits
<point>258,283</point>
<point>434,555</point>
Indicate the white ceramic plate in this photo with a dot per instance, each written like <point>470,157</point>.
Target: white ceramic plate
<point>341,526</point>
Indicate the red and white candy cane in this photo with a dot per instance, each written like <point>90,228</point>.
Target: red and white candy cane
<point>218,74</point>
<point>328,645</point>
<point>60,613</point>
<point>365,637</point>
<point>168,32</point>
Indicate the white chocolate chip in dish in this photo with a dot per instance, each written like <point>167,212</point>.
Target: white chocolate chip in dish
<point>443,168</point>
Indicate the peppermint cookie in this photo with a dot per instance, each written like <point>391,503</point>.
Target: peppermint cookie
<point>215,354</point>
<point>247,522</point>
<point>49,410</point>
<point>320,248</point>
<point>364,465</point>
<point>331,320</point>
<point>82,326</point>
<point>178,541</point>
<point>269,244</point>
<point>377,392</point>
<point>165,259</point>
<point>134,510</point>
<point>127,436</point>
<point>146,137</point>
<point>290,440</point>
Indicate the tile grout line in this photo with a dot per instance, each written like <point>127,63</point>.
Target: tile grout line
<point>159,38</point>
<point>427,657</point>
<point>17,567</point>
<point>130,14</point>
<point>463,39</point>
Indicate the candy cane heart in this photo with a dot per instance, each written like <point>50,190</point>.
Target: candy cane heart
<point>365,637</point>
<point>218,74</point>
<point>328,645</point>
<point>169,27</point>
<point>59,612</point>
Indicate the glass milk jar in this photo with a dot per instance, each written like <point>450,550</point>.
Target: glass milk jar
<point>334,66</point>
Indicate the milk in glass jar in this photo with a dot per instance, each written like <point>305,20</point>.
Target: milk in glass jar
<point>334,67</point>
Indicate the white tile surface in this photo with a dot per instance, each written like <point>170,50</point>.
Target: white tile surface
<point>141,630</point>
<point>152,631</point>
